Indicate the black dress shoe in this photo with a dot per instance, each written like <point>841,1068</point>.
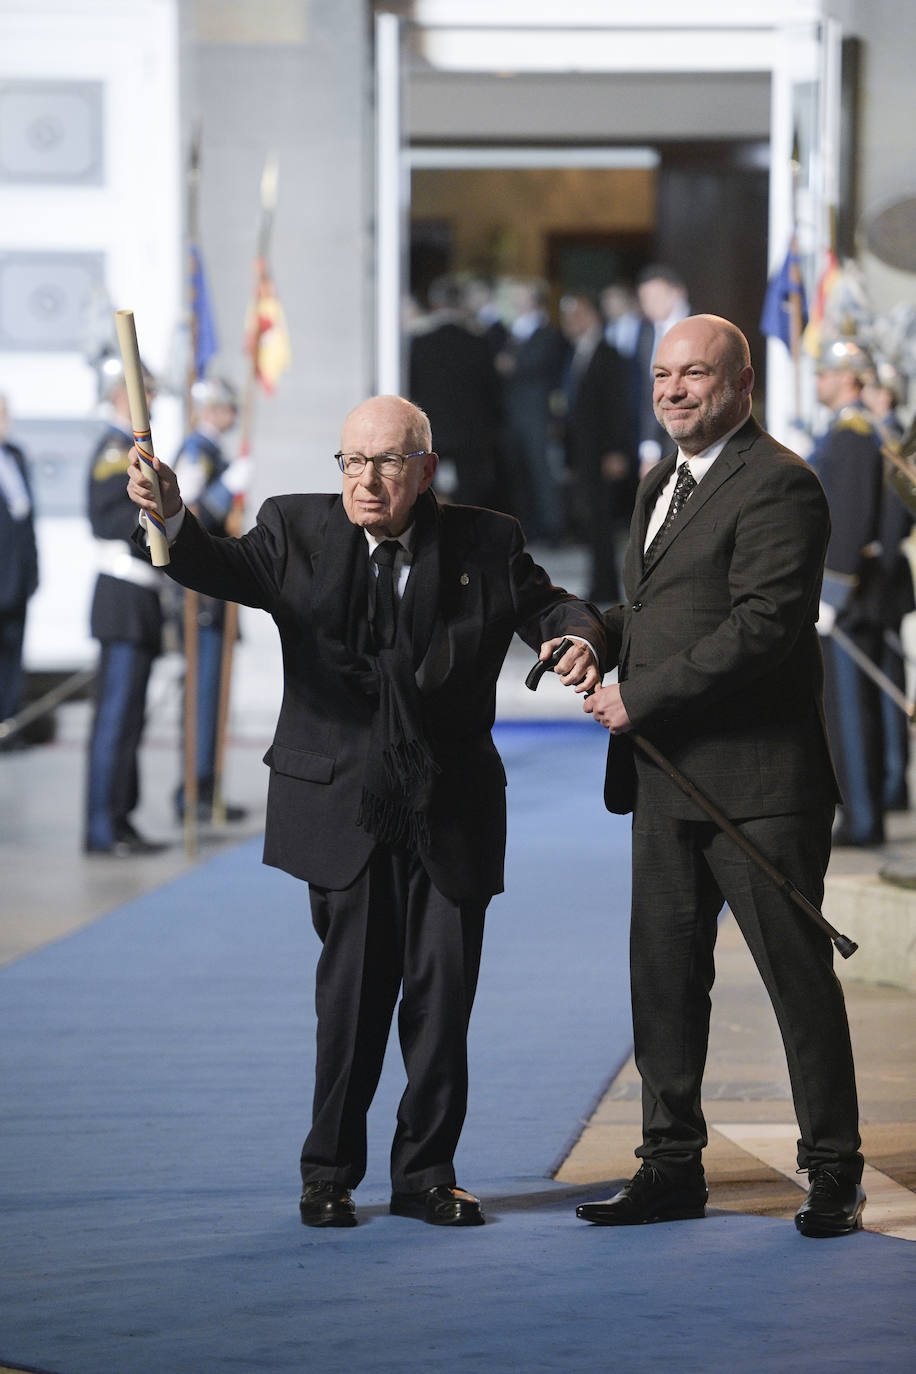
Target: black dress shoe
<point>324,1203</point>
<point>127,845</point>
<point>442,1206</point>
<point>833,1206</point>
<point>649,1196</point>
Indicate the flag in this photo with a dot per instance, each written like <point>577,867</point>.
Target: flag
<point>267,336</point>
<point>828,280</point>
<point>205,344</point>
<point>785,310</point>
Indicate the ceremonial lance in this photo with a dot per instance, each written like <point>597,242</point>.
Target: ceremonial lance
<point>143,439</point>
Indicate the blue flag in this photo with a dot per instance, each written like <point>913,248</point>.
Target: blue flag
<point>785,296</point>
<point>205,344</point>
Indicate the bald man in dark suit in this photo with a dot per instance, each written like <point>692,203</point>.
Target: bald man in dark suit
<point>720,668</point>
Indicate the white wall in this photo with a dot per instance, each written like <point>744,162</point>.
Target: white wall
<point>129,214</point>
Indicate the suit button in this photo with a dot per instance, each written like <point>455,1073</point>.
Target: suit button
<point>637,606</point>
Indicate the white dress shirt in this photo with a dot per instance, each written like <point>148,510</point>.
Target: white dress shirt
<point>700,463</point>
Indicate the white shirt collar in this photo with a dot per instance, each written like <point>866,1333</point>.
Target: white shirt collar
<point>700,463</point>
<point>405,539</point>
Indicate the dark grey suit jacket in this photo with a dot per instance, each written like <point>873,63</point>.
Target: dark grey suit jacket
<point>489,589</point>
<point>720,663</point>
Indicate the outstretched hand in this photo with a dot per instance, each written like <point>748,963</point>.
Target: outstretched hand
<point>140,488</point>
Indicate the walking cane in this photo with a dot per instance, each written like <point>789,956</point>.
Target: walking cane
<point>843,944</point>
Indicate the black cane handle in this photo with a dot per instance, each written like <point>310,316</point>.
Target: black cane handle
<point>545,665</point>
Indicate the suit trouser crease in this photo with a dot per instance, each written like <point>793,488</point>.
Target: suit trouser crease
<point>700,869</point>
<point>392,930</point>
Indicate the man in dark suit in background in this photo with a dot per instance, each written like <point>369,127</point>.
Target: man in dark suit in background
<point>720,668</point>
<point>452,377</point>
<point>600,452</point>
<point>662,298</point>
<point>531,365</point>
<point>126,618</point>
<point>386,793</point>
<point>18,566</point>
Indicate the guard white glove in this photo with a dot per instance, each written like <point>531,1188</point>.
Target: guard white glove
<point>826,618</point>
<point>237,477</point>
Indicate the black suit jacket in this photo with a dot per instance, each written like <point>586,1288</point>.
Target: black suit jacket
<point>18,551</point>
<point>489,588</point>
<point>719,658</point>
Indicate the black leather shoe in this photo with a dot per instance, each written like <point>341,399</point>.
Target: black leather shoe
<point>649,1196</point>
<point>833,1206</point>
<point>442,1206</point>
<point>127,845</point>
<point>326,1204</point>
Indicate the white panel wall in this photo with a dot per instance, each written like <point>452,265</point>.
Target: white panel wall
<point>131,217</point>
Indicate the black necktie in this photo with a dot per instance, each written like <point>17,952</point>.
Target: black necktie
<point>682,489</point>
<point>386,604</point>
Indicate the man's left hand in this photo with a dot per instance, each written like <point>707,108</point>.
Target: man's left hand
<point>608,709</point>
<point>577,668</point>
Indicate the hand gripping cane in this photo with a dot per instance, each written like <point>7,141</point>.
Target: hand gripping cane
<point>843,944</point>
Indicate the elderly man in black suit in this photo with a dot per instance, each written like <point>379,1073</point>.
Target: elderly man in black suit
<point>386,793</point>
<point>720,668</point>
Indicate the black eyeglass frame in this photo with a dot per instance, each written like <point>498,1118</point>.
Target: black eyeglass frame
<point>402,458</point>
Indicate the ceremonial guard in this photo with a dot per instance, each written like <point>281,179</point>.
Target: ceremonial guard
<point>126,618</point>
<point>848,461</point>
<point>211,482</point>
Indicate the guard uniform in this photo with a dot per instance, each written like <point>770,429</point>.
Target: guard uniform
<point>201,466</point>
<point>848,461</point>
<point>126,618</point>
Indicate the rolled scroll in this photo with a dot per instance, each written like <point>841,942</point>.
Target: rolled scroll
<point>139,419</point>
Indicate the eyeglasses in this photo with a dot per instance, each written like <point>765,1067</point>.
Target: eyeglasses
<point>385,464</point>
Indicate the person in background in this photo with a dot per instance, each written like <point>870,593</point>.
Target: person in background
<point>452,377</point>
<point>663,301</point>
<point>531,365</point>
<point>847,458</point>
<point>884,391</point>
<point>126,618</point>
<point>18,567</point>
<point>210,483</point>
<point>622,317</point>
<point>386,793</point>
<point>600,451</point>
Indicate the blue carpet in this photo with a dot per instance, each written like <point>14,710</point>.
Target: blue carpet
<point>158,1070</point>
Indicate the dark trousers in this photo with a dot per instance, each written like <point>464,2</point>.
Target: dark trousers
<point>683,873</point>
<point>12,632</point>
<point>392,930</point>
<point>117,727</point>
<point>852,704</point>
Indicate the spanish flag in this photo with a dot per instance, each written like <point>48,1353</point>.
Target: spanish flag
<point>812,338</point>
<point>267,338</point>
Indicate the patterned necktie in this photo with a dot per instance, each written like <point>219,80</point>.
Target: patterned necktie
<point>386,605</point>
<point>682,489</point>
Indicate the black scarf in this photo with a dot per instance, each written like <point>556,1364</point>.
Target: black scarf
<point>400,768</point>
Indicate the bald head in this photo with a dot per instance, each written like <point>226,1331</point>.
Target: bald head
<point>389,414</point>
<point>387,424</point>
<point>703,381</point>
